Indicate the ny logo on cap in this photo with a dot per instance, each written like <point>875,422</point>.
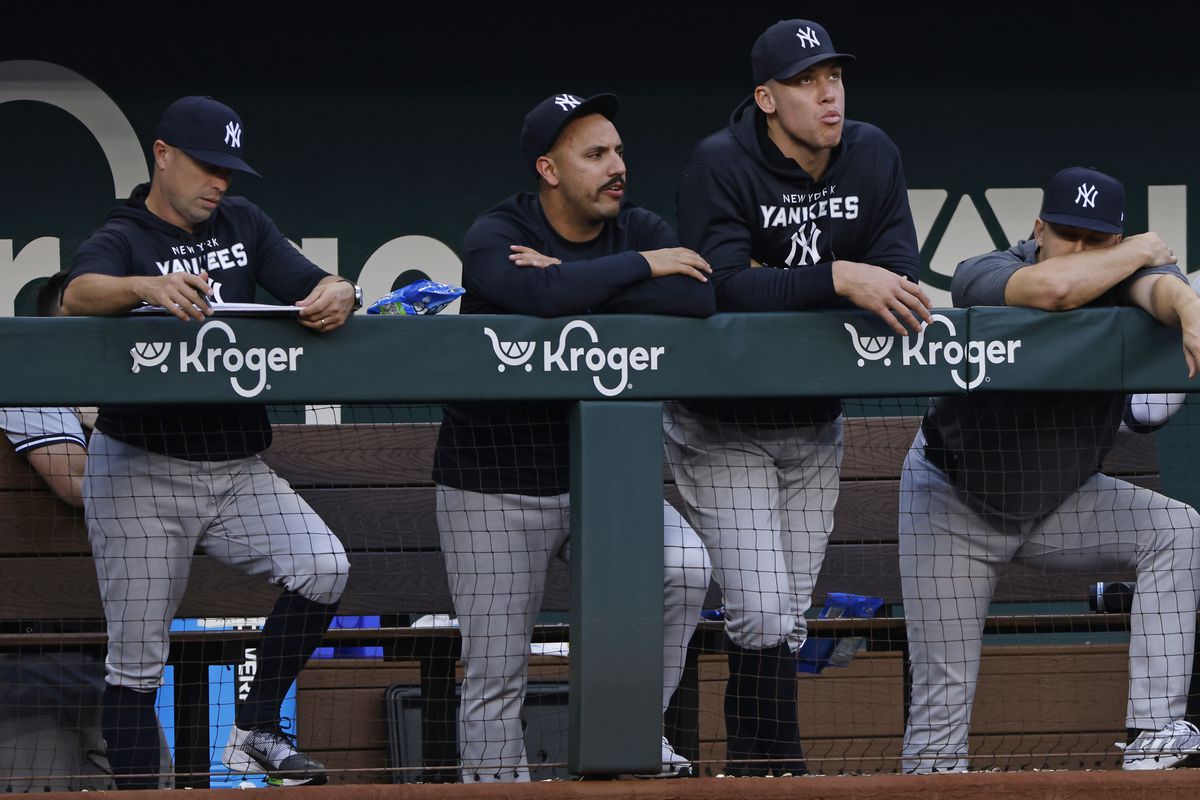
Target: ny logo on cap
<point>1086,198</point>
<point>233,134</point>
<point>807,37</point>
<point>567,101</point>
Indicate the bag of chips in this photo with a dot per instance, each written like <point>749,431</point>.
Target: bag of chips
<point>420,297</point>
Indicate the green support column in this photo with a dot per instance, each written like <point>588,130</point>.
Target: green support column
<point>616,588</point>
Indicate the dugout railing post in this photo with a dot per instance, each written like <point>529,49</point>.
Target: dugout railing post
<point>616,587</point>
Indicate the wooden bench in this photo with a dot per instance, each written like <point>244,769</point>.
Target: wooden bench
<point>371,483</point>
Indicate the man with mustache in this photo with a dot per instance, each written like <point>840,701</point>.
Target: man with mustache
<point>161,480</point>
<point>576,246</point>
<point>795,208</point>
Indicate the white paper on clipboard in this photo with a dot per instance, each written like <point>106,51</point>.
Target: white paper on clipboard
<point>232,309</point>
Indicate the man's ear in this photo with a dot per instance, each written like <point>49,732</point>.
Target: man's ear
<point>764,99</point>
<point>1039,228</point>
<point>161,152</point>
<point>547,169</point>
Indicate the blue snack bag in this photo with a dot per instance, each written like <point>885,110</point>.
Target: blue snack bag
<point>817,654</point>
<point>417,298</point>
<point>843,604</point>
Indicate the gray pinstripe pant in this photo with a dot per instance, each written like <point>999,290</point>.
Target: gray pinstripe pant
<point>498,549</point>
<point>951,559</point>
<point>762,501</point>
<point>146,513</point>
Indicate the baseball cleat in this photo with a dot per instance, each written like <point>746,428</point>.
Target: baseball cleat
<point>673,764</point>
<point>1163,749</point>
<point>274,752</point>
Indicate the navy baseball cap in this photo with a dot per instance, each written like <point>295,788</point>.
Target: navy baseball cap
<point>206,130</point>
<point>547,119</point>
<point>791,46</point>
<point>1085,198</point>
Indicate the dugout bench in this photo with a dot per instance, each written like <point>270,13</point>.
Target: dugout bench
<point>372,487</point>
<point>371,484</point>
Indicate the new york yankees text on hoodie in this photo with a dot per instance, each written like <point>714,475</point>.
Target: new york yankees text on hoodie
<point>741,201</point>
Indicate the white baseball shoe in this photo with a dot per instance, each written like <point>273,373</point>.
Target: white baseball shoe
<point>673,764</point>
<point>1161,749</point>
<point>274,752</point>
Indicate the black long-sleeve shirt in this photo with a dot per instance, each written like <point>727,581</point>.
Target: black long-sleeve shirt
<point>522,447</point>
<point>241,249</point>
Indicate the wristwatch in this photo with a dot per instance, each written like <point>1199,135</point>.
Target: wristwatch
<point>358,295</point>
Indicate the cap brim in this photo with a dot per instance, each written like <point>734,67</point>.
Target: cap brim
<point>1087,223</point>
<point>219,159</point>
<point>805,63</point>
<point>603,104</point>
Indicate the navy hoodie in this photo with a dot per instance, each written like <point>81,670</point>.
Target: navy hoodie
<point>741,200</point>
<point>241,249</point>
<point>522,447</point>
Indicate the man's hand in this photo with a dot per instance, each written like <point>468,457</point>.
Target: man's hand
<point>181,293</point>
<point>677,261</point>
<point>1154,251</point>
<point>1191,349</point>
<point>328,305</point>
<point>897,300</point>
<point>1174,302</point>
<point>524,256</point>
<point>1187,308</point>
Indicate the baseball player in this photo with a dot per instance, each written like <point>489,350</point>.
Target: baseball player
<point>163,479</point>
<point>795,208</point>
<point>996,477</point>
<point>51,438</point>
<point>577,246</point>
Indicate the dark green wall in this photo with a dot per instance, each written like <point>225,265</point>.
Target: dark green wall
<point>372,121</point>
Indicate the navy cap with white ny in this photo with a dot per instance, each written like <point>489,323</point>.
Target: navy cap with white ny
<point>546,121</point>
<point>789,47</point>
<point>206,130</point>
<point>1085,198</point>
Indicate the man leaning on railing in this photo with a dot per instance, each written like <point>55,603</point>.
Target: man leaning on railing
<point>995,477</point>
<point>577,246</point>
<point>163,479</point>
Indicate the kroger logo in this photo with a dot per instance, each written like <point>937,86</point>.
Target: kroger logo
<point>952,354</point>
<point>608,366</point>
<point>209,355</point>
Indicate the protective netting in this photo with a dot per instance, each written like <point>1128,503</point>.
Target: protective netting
<point>981,563</point>
<point>445,546</point>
